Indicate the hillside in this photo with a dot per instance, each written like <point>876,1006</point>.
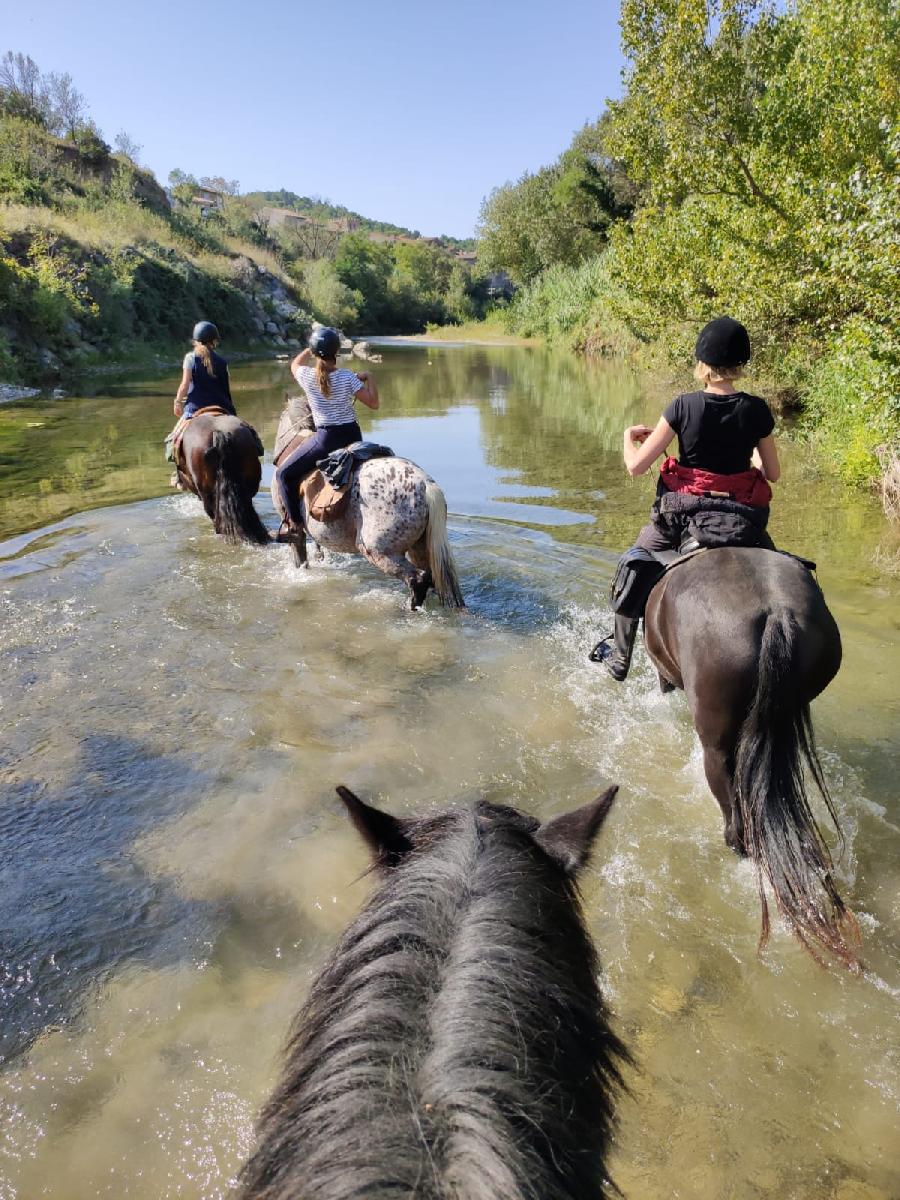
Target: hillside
<point>324,210</point>
<point>95,265</point>
<point>99,263</point>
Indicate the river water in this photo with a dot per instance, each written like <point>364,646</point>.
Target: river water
<point>176,713</point>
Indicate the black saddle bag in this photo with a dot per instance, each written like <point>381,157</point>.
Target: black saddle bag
<point>713,520</point>
<point>635,577</point>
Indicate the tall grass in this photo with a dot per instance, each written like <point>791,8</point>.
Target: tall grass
<point>574,307</point>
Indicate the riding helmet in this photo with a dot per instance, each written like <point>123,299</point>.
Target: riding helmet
<point>325,342</point>
<point>724,342</point>
<point>205,332</point>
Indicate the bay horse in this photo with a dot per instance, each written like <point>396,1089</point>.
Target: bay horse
<point>396,517</point>
<point>456,1043</point>
<point>747,634</point>
<point>219,463</point>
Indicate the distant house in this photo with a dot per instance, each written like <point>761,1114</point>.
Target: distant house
<point>469,257</point>
<point>287,217</point>
<point>208,200</point>
<point>342,225</point>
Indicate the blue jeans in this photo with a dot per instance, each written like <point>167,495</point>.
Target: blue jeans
<point>294,469</point>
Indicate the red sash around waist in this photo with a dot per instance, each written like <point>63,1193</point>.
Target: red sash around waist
<point>746,487</point>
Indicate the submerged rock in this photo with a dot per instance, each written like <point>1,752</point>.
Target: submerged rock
<point>9,392</point>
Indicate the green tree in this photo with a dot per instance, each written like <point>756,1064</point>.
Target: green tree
<point>366,267</point>
<point>560,214</point>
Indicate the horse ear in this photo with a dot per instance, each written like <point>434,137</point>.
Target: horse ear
<point>569,838</point>
<point>384,835</point>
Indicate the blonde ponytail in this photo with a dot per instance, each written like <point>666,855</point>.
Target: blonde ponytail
<point>323,377</point>
<point>204,353</point>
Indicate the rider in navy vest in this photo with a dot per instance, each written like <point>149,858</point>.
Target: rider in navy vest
<point>204,380</point>
<point>724,440</point>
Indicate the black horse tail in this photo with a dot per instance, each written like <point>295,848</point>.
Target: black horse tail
<point>235,517</point>
<point>780,833</point>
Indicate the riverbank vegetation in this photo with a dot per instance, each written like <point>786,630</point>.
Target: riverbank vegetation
<point>99,262</point>
<point>750,167</point>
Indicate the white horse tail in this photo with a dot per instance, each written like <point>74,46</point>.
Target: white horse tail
<point>440,560</point>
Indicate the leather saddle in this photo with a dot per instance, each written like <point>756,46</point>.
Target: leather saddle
<point>322,500</point>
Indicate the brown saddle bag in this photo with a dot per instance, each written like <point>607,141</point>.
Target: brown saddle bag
<point>323,501</point>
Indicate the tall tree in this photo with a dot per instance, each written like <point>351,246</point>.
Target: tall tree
<point>24,88</point>
<point>125,144</point>
<point>68,104</point>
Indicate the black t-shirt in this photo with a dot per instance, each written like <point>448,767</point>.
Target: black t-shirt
<point>719,433</point>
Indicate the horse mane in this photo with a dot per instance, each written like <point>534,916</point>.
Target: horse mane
<point>456,1043</point>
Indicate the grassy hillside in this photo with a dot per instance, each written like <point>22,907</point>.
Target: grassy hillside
<point>94,265</point>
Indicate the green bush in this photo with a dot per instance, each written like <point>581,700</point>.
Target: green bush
<point>853,398</point>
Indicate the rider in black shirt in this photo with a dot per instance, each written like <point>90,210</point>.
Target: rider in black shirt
<point>719,430</point>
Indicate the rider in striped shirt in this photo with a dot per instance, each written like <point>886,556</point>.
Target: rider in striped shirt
<point>331,392</point>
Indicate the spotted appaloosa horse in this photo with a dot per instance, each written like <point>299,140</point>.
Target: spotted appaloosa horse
<point>396,517</point>
<point>219,463</point>
<point>747,634</point>
<point>456,1046</point>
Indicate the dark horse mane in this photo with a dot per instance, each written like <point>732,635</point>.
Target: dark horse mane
<point>456,1043</point>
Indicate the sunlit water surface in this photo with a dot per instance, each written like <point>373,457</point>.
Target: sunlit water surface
<point>177,712</point>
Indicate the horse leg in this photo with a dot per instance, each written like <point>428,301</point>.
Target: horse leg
<point>718,765</point>
<point>398,567</point>
<point>298,551</point>
<point>418,556</point>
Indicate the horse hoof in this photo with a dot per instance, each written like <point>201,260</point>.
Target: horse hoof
<point>736,843</point>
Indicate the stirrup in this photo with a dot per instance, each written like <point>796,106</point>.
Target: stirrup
<point>604,649</point>
<point>286,533</point>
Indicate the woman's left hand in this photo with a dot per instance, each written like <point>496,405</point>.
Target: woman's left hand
<point>638,433</point>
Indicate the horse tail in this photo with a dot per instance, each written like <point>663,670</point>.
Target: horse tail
<point>780,833</point>
<point>235,517</point>
<point>440,560</point>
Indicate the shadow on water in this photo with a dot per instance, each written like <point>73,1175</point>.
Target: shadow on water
<point>74,905</point>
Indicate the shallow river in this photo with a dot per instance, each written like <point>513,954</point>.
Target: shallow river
<point>176,713</point>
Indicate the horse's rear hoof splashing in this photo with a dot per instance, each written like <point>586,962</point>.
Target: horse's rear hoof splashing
<point>456,1043</point>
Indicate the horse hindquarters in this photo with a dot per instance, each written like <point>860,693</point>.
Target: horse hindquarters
<point>234,516</point>
<point>779,830</point>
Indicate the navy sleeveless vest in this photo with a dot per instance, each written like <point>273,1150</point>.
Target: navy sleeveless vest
<point>206,389</point>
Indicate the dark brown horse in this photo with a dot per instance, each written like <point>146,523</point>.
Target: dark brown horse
<point>747,634</point>
<point>219,462</point>
<point>456,1045</point>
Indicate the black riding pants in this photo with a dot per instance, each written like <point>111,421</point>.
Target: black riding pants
<point>294,469</point>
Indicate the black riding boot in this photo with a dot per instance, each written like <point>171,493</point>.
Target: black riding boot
<point>615,649</point>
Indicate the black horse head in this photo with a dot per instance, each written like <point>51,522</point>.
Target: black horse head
<point>456,1043</point>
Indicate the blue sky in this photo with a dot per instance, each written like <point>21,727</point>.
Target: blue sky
<point>405,112</point>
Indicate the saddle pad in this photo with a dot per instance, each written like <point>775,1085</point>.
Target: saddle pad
<point>212,410</point>
<point>323,501</point>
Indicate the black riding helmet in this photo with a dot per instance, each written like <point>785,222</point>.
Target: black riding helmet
<point>724,342</point>
<point>205,332</point>
<point>325,342</point>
